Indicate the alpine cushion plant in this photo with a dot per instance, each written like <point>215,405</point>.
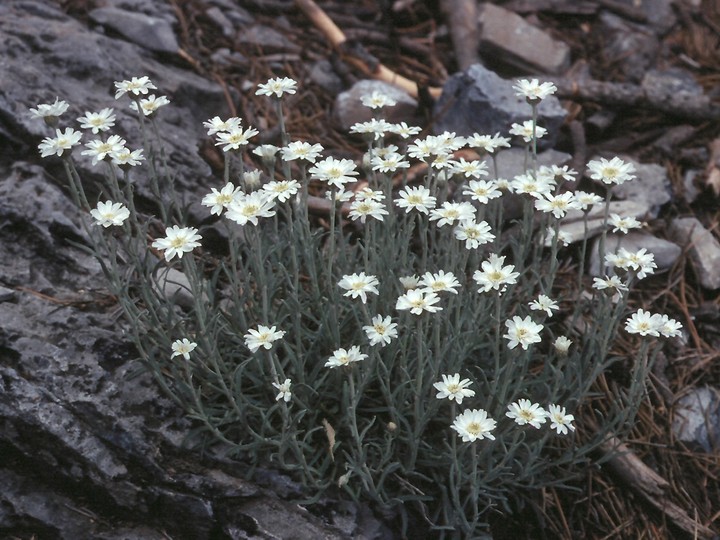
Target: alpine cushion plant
<point>431,316</point>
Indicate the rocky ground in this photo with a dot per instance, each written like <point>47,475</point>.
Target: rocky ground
<point>90,448</point>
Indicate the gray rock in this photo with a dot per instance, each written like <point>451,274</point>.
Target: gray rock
<point>702,246</point>
<point>697,418</point>
<point>349,108</point>
<point>216,15</point>
<point>149,32</point>
<point>666,253</point>
<point>632,48</point>
<point>507,37</point>
<point>323,74</point>
<point>511,161</point>
<point>478,100</point>
<point>691,190</point>
<point>265,38</point>
<point>651,186</point>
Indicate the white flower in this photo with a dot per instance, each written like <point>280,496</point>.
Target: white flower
<point>557,204</point>
<point>220,200</point>
<point>418,301</point>
<point>283,389</point>
<point>183,347</point>
<point>416,198</point>
<point>451,212</point>
<point>644,323</point>
<point>468,169</point>
<point>452,388</point>
<point>367,208</point>
<point>266,151</point>
<point>217,124</point>
<point>336,172</point>
<point>63,140</point>
<point>623,224</point>
<point>50,110</point>
<point>488,143</point>
<point>110,213</point>
<point>150,104</point>
<point>564,237</point>
<point>474,424</point>
<point>526,412</point>
<point>641,262</point>
<point>494,275</point>
<point>263,336</point>
<point>527,183</point>
<point>377,100</point>
<point>97,121</point>
<point>443,161</point>
<point>127,157</point>
<point>277,86</point>
<point>382,331</point>
<point>613,282</point>
<point>178,240</point>
<point>482,191</point>
<point>562,345</point>
<point>534,91</point>
<point>522,332</point>
<point>301,150</point>
<point>248,208</point>
<point>235,138</point>
<point>544,303</point>
<point>560,421</point>
<point>669,327</point>
<point>282,190</point>
<point>404,130</point>
<point>342,357</point>
<point>439,282</point>
<point>375,127</point>
<point>615,171</point>
<point>135,86</point>
<point>586,200</point>
<point>99,149</point>
<point>389,163</point>
<point>409,282</point>
<point>252,179</point>
<point>473,234</point>
<point>555,173</point>
<point>359,285</point>
<point>525,130</point>
<point>367,194</point>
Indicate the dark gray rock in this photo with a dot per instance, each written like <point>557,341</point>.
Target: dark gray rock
<point>349,108</point>
<point>478,100</point>
<point>703,248</point>
<point>651,186</point>
<point>631,48</point>
<point>149,32</point>
<point>265,38</point>
<point>697,418</point>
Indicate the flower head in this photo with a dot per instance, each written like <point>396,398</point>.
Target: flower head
<point>374,129</point>
<point>494,275</point>
<point>482,191</point>
<point>183,347</point>
<point>248,208</point>
<point>440,281</point>
<point>110,213</point>
<point>562,345</point>
<point>359,285</point>
<point>452,388</point>
<point>235,138</point>
<point>97,121</point>
<point>526,412</point>
<point>63,140</point>
<point>336,172</point>
<point>473,234</point>
<point>342,357</point>
<point>150,104</point>
<point>177,241</point>
<point>363,209</point>
<point>544,303</point>
<point>669,327</point>
<point>124,157</point>
<point>283,389</point>
<point>135,86</point>
<point>533,90</point>
<point>263,336</point>
<point>389,163</point>
<point>50,111</point>
<point>418,301</point>
<point>277,86</point>
<point>470,169</point>
<point>100,149</point>
<point>217,124</point>
<point>560,421</point>
<point>615,171</point>
<point>557,204</point>
<point>301,150</point>
<point>404,130</point>
<point>488,143</point>
<point>282,190</point>
<point>525,130</point>
<point>377,100</point>
<point>474,424</point>
<point>451,212</point>
<point>522,332</point>
<point>416,198</point>
<point>644,323</point>
<point>381,331</point>
<point>220,200</point>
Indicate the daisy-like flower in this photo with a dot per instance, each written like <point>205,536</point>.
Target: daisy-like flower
<point>531,185</point>
<point>450,142</point>
<point>177,241</point>
<point>389,163</point>
<point>266,152</point>
<point>375,129</point>
<point>494,275</point>
<point>533,90</point>
<point>522,332</point>
<point>470,169</point>
<point>135,86</point>
<point>644,323</point>
<point>623,224</point>
<point>613,284</point>
<point>587,200</point>
<point>615,171</point>
<point>560,421</point>
<point>488,143</point>
<point>404,130</point>
<point>418,301</point>
<point>248,208</point>
<point>382,330</point>
<point>409,282</point>
<point>341,196</point>
<point>555,173</point>
<point>263,336</point>
<point>482,191</point>
<point>336,172</point>
<point>283,389</point>
<point>301,150</point>
<point>452,388</point>
<point>342,357</point>
<point>367,208</point>
<point>282,190</point>
<point>641,262</point>
<point>252,179</point>
<point>359,285</point>
<point>150,104</point>
<point>377,100</point>
<point>110,213</point>
<point>474,424</point>
<point>473,234</point>
<point>367,194</point>
<point>451,212</point>
<point>217,124</point>
<point>442,161</point>
<point>183,347</point>
<point>235,138</point>
<point>557,204</point>
<point>416,198</point>
<point>544,303</point>
<point>50,112</point>
<point>438,282</point>
<point>669,327</point>
<point>564,237</point>
<point>423,148</point>
<point>277,86</point>
<point>524,411</point>
<point>220,200</point>
<point>99,149</point>
<point>63,140</point>
<point>97,121</point>
<point>562,345</point>
<point>525,130</point>
<point>126,157</point>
